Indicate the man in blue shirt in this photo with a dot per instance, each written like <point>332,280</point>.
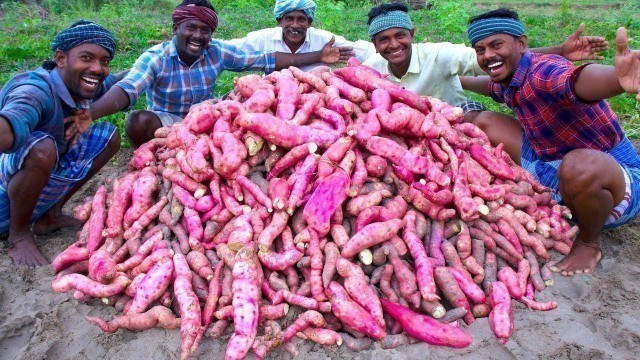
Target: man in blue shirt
<point>180,73</point>
<point>47,154</point>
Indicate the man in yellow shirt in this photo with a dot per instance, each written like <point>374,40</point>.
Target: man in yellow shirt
<point>433,69</point>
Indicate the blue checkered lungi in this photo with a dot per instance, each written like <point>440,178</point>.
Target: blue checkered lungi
<point>546,172</point>
<point>70,168</point>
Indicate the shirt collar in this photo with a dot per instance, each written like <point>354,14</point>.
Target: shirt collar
<point>63,92</point>
<point>414,64</point>
<point>521,70</point>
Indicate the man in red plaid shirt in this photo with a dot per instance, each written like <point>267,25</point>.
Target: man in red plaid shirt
<point>565,134</point>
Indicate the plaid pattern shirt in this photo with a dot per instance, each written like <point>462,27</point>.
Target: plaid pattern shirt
<point>172,86</point>
<point>554,119</point>
<point>39,101</point>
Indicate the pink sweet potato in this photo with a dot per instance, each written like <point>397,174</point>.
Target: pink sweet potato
<point>156,317</point>
<point>370,235</point>
<point>501,315</point>
<point>329,194</point>
<point>352,314</point>
<point>153,285</point>
<point>426,329</point>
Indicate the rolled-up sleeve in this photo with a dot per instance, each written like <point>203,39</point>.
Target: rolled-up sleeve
<point>496,92</point>
<point>23,107</point>
<point>236,59</point>
<point>140,77</point>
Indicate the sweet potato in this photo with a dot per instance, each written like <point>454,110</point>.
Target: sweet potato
<point>156,317</point>
<point>426,329</point>
<point>352,314</point>
<point>328,196</point>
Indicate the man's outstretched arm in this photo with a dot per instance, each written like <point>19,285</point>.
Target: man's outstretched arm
<point>329,55</point>
<point>577,47</point>
<point>113,101</point>
<point>477,84</point>
<point>610,81</point>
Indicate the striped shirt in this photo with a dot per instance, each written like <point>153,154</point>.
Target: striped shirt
<point>172,86</point>
<point>39,101</point>
<point>554,119</point>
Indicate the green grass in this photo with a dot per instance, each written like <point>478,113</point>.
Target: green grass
<point>29,26</point>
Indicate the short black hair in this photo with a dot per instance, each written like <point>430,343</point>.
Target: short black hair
<point>204,3</point>
<point>385,8</point>
<point>500,13</point>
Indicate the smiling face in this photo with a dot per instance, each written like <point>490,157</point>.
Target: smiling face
<point>394,45</point>
<point>294,26</point>
<point>499,55</point>
<point>192,38</point>
<point>83,69</point>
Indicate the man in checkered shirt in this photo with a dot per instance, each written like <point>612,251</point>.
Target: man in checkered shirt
<point>566,134</point>
<point>180,73</point>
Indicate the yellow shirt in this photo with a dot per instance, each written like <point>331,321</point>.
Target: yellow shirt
<point>434,70</point>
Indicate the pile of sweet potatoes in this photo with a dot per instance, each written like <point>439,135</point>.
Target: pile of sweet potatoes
<point>374,211</point>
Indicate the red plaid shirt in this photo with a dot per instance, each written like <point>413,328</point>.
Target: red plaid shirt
<point>555,121</point>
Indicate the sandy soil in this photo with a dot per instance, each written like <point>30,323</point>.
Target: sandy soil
<point>598,316</point>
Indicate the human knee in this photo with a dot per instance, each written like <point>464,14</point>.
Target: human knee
<point>114,143</point>
<point>139,127</point>
<point>470,116</point>
<point>42,155</point>
<point>579,170</point>
<point>135,122</point>
<point>481,119</point>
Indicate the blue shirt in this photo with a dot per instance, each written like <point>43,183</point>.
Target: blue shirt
<point>39,100</point>
<point>172,86</point>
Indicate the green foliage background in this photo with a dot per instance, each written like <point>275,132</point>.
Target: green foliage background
<point>29,25</point>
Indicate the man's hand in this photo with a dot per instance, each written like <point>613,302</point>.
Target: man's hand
<point>331,55</point>
<point>80,120</point>
<point>577,47</point>
<point>627,64</point>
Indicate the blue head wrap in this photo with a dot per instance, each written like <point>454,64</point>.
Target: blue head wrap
<point>392,19</point>
<point>482,29</point>
<point>284,6</point>
<point>83,32</point>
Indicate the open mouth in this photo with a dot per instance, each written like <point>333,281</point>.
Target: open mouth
<point>89,82</point>
<point>495,67</point>
<point>396,53</point>
<point>194,45</point>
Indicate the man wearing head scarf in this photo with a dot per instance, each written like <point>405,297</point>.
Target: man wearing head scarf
<point>296,35</point>
<point>180,73</point>
<point>565,133</point>
<point>433,69</point>
<point>45,157</point>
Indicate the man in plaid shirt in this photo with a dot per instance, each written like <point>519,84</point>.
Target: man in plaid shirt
<point>180,73</point>
<point>46,155</point>
<point>566,135</point>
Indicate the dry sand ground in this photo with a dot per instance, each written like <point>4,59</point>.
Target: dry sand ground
<point>598,316</point>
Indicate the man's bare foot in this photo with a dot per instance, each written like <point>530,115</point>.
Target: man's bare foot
<point>24,251</point>
<point>581,259</point>
<point>53,220</point>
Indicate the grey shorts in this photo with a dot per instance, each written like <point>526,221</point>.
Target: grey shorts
<point>165,118</point>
